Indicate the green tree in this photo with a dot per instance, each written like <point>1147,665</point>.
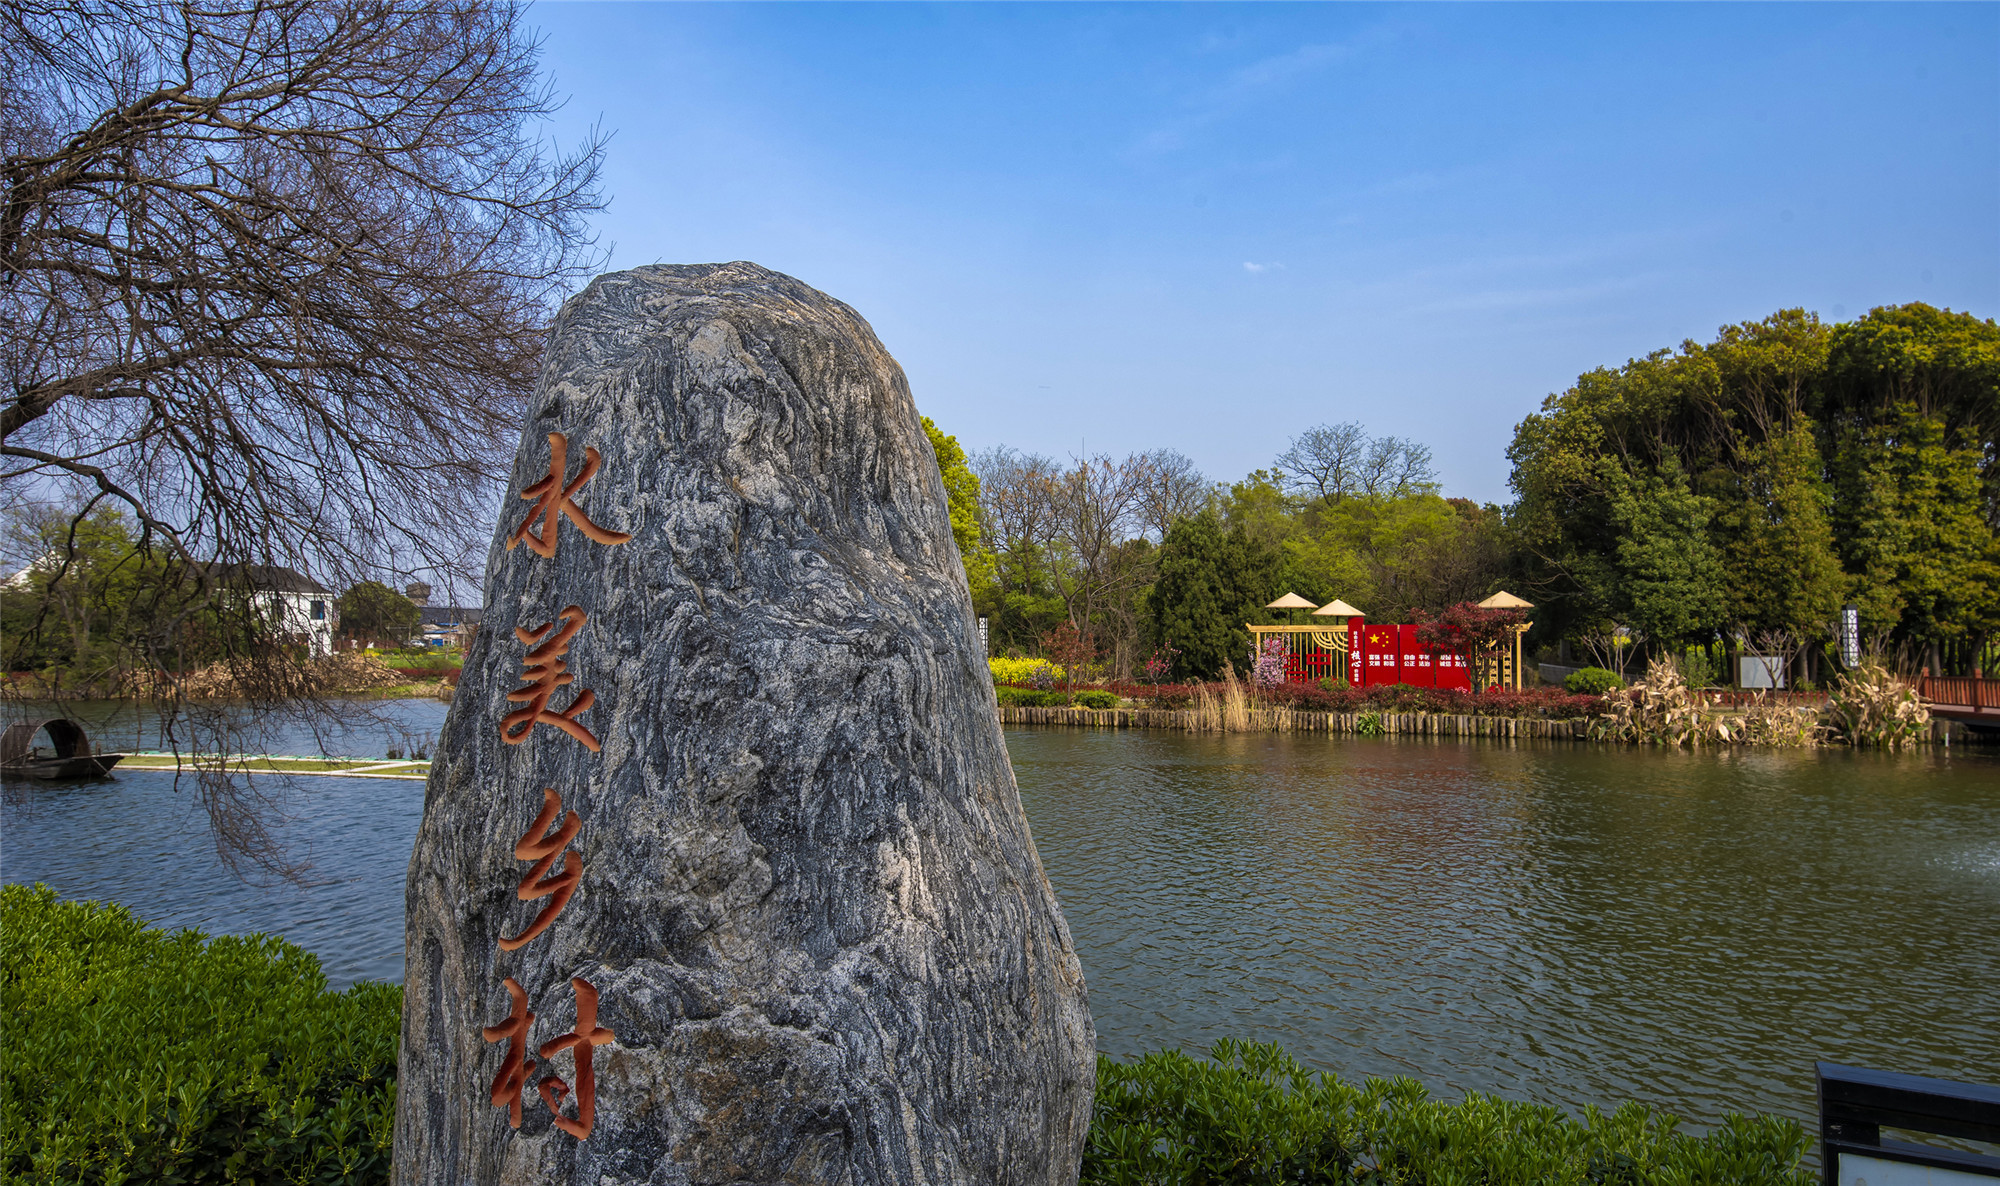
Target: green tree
<point>1923,559</point>
<point>372,610</point>
<point>1783,571</point>
<point>961,492</point>
<point>1209,583</point>
<point>78,609</point>
<point>1876,442</point>
<point>1669,572</point>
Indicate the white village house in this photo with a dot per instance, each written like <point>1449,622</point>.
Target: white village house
<point>299,607</point>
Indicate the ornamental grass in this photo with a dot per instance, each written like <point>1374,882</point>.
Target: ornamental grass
<point>1871,705</point>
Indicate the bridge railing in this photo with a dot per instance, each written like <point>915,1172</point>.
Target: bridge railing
<point>1960,691</point>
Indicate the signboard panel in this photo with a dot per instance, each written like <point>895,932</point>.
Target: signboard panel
<point>1860,1170</point>
<point>1379,666</point>
<point>1760,671</point>
<point>1417,668</point>
<point>1452,672</point>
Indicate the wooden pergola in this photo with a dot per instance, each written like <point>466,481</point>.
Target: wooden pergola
<point>1311,648</point>
<point>1511,676</point>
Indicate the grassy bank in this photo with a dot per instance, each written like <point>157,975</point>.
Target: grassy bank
<point>138,1055</point>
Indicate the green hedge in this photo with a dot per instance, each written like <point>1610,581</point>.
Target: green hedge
<point>1592,681</point>
<point>136,1055</point>
<point>1034,698</point>
<point>1254,1115</point>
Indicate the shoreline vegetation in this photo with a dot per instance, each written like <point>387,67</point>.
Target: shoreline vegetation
<point>236,1062</point>
<point>356,675</point>
<point>1867,707</point>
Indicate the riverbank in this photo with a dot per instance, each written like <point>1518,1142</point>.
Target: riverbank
<point>300,1084</point>
<point>1280,720</point>
<point>1372,724</point>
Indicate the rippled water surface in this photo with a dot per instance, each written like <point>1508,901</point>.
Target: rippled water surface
<point>142,840</point>
<point>1567,924</point>
<point>1561,923</point>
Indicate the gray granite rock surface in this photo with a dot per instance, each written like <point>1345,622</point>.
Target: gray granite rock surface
<point>808,904</point>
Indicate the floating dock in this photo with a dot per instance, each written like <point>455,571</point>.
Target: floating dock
<point>413,770</point>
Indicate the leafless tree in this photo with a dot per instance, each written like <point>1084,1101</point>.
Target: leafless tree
<point>1608,645</point>
<point>1776,652</point>
<point>275,275</point>
<point>1395,468</point>
<point>1017,512</point>
<point>1097,504</point>
<point>1331,462</point>
<point>1171,490</point>
<point>1325,461</point>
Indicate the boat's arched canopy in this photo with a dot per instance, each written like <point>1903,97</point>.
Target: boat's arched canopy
<point>66,737</point>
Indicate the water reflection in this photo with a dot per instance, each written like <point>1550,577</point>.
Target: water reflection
<point>1559,923</point>
<point>141,838</point>
<point>1566,924</point>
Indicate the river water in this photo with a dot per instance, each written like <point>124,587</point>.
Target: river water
<point>1556,922</point>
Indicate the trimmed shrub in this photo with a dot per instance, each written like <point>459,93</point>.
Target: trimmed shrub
<point>1027,697</point>
<point>1252,1114</point>
<point>136,1055</point>
<point>1592,681</point>
<point>1096,699</point>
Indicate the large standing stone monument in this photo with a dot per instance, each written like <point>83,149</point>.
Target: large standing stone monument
<point>723,876</point>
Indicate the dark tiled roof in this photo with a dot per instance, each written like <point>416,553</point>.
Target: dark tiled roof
<point>267,578</point>
<point>451,615</point>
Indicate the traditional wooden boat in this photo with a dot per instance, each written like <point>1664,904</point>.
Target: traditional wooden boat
<point>66,755</point>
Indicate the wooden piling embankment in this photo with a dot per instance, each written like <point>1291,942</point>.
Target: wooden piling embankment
<point>1419,724</point>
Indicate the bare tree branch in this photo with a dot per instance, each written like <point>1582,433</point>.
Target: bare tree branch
<point>276,275</point>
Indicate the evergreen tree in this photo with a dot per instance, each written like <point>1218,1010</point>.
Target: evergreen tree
<point>1783,572</point>
<point>374,611</point>
<point>1922,558</point>
<point>1670,577</point>
<point>1210,583</point>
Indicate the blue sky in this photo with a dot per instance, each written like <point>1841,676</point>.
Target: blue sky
<point>1207,227</point>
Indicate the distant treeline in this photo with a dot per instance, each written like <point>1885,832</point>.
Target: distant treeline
<point>1733,494</point>
<point>1750,487</point>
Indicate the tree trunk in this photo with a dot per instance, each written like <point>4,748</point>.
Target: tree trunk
<point>818,936</point>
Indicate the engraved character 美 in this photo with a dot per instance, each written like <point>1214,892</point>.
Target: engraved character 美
<point>544,669</point>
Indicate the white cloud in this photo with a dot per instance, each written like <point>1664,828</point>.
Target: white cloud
<point>1250,267</point>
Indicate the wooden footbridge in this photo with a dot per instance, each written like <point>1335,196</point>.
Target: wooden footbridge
<point>1961,698</point>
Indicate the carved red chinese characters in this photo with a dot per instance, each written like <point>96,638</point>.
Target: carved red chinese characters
<point>545,850</point>
<point>513,1076</point>
<point>553,500</point>
<point>581,1039</point>
<point>544,669</point>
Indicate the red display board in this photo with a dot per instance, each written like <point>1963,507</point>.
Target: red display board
<point>1390,654</point>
